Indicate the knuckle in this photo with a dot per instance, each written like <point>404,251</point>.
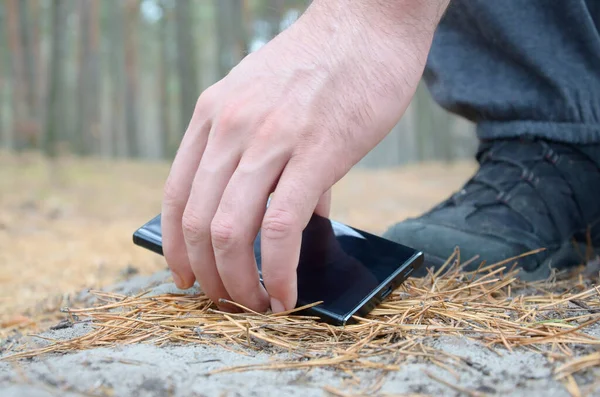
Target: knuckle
<point>271,126</point>
<point>193,228</point>
<point>229,119</point>
<point>278,224</point>
<point>276,125</point>
<point>207,98</point>
<point>223,234</point>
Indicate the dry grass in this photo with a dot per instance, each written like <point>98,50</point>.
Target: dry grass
<point>489,305</point>
<point>66,226</point>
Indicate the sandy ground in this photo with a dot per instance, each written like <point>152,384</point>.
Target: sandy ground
<point>141,370</point>
<point>66,229</point>
<point>183,370</point>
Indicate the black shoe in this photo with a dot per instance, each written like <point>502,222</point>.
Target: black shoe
<point>526,195</point>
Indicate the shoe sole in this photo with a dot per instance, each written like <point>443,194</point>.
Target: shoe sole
<point>567,256</point>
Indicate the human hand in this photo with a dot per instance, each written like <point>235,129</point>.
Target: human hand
<point>291,119</point>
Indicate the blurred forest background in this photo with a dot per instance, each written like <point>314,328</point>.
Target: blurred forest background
<point>120,78</point>
<point>94,99</point>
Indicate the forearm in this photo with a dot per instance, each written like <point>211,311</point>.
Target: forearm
<point>400,26</point>
<point>410,16</point>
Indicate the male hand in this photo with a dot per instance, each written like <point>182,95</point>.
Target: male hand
<point>291,119</point>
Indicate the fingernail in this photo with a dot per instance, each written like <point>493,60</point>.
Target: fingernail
<point>177,279</point>
<point>277,306</point>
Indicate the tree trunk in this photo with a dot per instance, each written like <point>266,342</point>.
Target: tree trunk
<point>58,55</point>
<point>186,61</point>
<point>19,104</point>
<point>81,144</point>
<point>95,102</point>
<point>232,36</point>
<point>239,30</point>
<point>163,81</point>
<point>275,16</point>
<point>30,130</point>
<point>4,137</point>
<point>39,61</point>
<point>88,78</point>
<point>25,28</point>
<point>117,75</point>
<point>131,70</point>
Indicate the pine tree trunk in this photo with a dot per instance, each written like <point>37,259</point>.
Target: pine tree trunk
<point>116,76</point>
<point>231,34</point>
<point>4,137</point>
<point>56,94</point>
<point>28,82</point>
<point>94,101</point>
<point>164,73</point>
<point>275,16</point>
<point>81,144</point>
<point>131,70</point>
<point>88,78</point>
<point>39,61</point>
<point>186,61</point>
<point>239,30</point>
<point>19,104</point>
<point>30,131</point>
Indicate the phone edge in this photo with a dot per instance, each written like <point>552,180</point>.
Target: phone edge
<point>373,299</point>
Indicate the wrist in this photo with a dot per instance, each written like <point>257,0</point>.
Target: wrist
<point>407,17</point>
<point>404,25</point>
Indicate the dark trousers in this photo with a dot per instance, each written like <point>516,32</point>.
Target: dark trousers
<point>520,68</point>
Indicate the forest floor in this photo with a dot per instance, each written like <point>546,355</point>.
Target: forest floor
<point>66,227</point>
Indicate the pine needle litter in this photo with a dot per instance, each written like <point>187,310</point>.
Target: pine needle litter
<point>489,305</point>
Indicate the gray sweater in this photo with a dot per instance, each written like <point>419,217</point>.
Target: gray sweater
<point>520,67</point>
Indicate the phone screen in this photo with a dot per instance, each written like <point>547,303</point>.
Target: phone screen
<point>344,268</point>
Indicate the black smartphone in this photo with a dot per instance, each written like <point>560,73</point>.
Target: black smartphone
<point>349,270</point>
